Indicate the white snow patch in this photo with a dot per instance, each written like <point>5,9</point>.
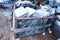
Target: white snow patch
<point>1,0</point>
<point>18,39</point>
<point>20,11</point>
<point>58,9</point>
<point>44,33</point>
<point>58,16</point>
<point>23,2</point>
<point>57,1</point>
<point>58,23</point>
<point>53,11</point>
<point>59,39</point>
<point>30,10</point>
<point>43,13</point>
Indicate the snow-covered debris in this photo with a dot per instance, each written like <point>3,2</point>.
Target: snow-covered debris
<point>20,11</point>
<point>42,13</point>
<point>47,8</point>
<point>23,3</point>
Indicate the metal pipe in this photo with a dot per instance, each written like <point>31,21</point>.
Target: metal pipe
<point>35,18</point>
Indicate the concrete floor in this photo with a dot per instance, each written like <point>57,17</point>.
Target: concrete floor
<point>5,24</point>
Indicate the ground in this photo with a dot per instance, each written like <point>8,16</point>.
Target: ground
<point>5,24</point>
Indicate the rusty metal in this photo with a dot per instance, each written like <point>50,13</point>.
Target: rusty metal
<point>39,18</point>
<point>29,28</point>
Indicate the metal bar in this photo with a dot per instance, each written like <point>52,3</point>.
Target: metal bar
<point>32,23</point>
<point>30,28</point>
<point>35,18</point>
<point>26,23</point>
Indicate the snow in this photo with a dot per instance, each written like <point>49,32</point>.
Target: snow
<point>57,22</point>
<point>59,39</point>
<point>51,0</point>
<point>23,2</point>
<point>58,16</point>
<point>53,11</point>
<point>57,1</point>
<point>18,39</point>
<point>3,0</point>
<point>30,10</point>
<point>58,9</point>
<point>42,13</point>
<point>20,11</point>
<point>46,10</point>
<point>45,7</point>
<point>26,2</point>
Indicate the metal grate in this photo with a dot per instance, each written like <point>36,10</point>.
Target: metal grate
<point>31,25</point>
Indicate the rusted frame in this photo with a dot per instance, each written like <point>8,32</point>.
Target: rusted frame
<point>25,29</point>
<point>39,18</point>
<point>29,28</point>
<point>34,27</point>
